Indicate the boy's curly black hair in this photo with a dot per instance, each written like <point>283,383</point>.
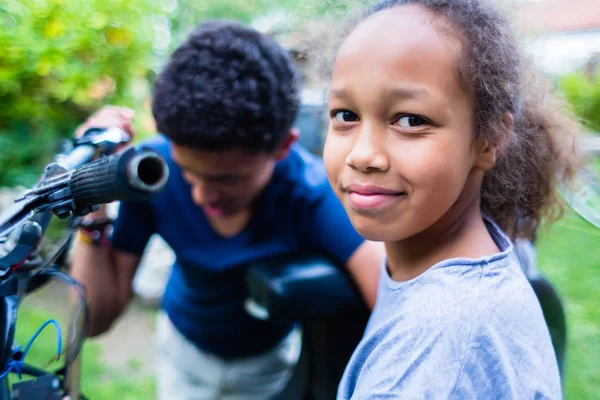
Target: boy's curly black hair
<point>227,86</point>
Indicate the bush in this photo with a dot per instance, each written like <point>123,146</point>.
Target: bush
<point>583,93</point>
<point>61,60</point>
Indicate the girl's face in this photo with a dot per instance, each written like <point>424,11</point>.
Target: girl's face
<point>400,152</point>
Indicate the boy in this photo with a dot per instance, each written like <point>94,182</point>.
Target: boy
<point>239,190</point>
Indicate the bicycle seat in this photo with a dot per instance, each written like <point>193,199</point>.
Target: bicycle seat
<point>321,295</point>
<point>300,287</point>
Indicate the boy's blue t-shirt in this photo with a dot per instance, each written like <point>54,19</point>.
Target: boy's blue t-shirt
<point>297,212</point>
<point>464,329</point>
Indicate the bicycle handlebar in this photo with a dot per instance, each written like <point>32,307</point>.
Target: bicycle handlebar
<point>134,174</point>
<point>131,175</point>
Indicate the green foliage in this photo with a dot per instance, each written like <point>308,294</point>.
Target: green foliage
<point>22,151</point>
<point>583,93</point>
<point>61,60</point>
<point>187,14</point>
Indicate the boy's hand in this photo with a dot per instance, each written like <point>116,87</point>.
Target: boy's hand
<point>106,117</point>
<point>109,116</point>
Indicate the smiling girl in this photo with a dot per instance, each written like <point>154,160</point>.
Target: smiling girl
<point>440,146</point>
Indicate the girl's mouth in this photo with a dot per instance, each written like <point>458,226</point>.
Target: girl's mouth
<point>360,201</point>
<point>371,197</point>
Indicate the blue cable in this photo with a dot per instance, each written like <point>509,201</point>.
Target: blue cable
<point>17,365</point>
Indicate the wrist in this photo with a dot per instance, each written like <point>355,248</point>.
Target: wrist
<point>96,231</point>
<point>94,239</point>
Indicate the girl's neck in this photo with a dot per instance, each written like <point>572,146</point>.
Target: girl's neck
<point>461,232</point>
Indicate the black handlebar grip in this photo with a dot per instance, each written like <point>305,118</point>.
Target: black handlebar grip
<point>134,174</point>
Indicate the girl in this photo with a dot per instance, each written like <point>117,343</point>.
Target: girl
<point>440,146</point>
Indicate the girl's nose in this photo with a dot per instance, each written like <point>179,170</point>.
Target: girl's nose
<point>368,153</point>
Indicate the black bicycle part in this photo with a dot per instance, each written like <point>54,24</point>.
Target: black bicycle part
<point>46,387</point>
<point>323,298</point>
<point>8,315</point>
<point>301,287</point>
<point>131,175</point>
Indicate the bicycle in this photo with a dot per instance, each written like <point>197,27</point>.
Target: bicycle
<point>86,173</point>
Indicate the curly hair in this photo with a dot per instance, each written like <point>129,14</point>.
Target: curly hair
<point>227,86</point>
<point>520,191</point>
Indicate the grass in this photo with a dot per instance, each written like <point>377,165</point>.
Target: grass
<point>569,256</point>
<point>98,381</point>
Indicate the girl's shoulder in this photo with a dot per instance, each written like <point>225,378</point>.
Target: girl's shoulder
<point>460,297</point>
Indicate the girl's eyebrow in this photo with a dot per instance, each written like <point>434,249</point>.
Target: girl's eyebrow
<point>397,92</point>
<point>408,93</point>
<point>339,93</point>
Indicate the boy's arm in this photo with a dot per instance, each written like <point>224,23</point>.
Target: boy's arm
<point>332,233</point>
<point>365,267</point>
<point>107,274</point>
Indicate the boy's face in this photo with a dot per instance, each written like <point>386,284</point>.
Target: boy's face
<point>225,183</point>
<point>400,152</point>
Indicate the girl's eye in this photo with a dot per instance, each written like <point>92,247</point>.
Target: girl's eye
<point>345,116</point>
<point>411,121</point>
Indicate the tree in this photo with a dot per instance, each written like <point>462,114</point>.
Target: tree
<point>60,60</point>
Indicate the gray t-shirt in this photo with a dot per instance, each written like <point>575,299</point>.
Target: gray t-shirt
<point>464,329</point>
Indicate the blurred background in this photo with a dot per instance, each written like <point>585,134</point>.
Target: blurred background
<point>60,60</point>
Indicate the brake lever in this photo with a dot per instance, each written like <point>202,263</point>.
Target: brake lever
<point>16,215</point>
<point>46,196</point>
<point>53,185</point>
<point>29,237</point>
<point>108,140</point>
<point>51,193</point>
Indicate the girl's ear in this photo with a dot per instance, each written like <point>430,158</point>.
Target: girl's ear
<point>486,156</point>
<point>285,147</point>
<point>487,153</point>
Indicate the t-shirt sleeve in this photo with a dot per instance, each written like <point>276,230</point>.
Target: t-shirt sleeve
<point>133,227</point>
<point>330,230</point>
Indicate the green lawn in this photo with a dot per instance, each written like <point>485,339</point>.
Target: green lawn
<point>569,256</point>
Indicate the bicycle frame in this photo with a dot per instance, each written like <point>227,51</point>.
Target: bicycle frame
<point>13,287</point>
